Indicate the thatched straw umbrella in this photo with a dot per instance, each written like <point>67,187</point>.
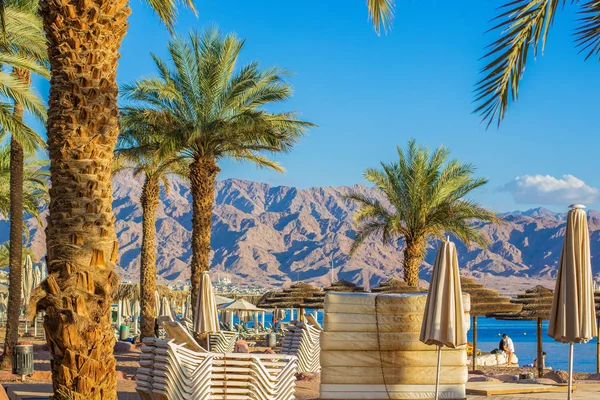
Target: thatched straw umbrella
<point>344,286</point>
<point>300,295</point>
<point>484,301</point>
<point>394,285</point>
<point>536,303</point>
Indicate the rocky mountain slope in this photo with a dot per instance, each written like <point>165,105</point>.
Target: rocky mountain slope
<point>272,236</point>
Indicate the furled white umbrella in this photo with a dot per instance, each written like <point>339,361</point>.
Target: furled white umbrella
<point>157,303</point>
<point>573,318</point>
<point>205,318</point>
<point>165,308</point>
<point>43,269</point>
<point>126,308</point>
<point>37,277</point>
<point>444,321</point>
<point>27,282</point>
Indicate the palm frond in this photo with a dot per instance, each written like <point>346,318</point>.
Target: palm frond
<point>588,33</point>
<point>424,195</point>
<point>524,26</point>
<point>167,10</point>
<point>381,13</point>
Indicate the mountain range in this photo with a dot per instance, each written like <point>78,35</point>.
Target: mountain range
<point>272,236</point>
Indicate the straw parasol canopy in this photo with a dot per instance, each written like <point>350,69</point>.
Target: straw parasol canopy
<point>344,286</point>
<point>536,304</point>
<point>484,300</point>
<point>395,285</point>
<point>130,291</point>
<point>300,295</point>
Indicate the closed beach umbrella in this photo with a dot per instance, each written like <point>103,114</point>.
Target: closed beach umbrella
<point>37,277</point>
<point>27,284</point>
<point>206,319</point>
<point>444,322</point>
<point>157,303</point>
<point>573,316</point>
<point>165,308</point>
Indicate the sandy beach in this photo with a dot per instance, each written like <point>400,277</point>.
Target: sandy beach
<point>127,355</point>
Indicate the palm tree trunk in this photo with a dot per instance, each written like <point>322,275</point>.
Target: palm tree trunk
<point>83,44</point>
<point>149,200</point>
<point>17,159</point>
<point>413,257</point>
<point>203,176</point>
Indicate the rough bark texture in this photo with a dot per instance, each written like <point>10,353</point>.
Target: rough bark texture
<point>149,200</point>
<point>15,275</point>
<point>84,38</point>
<point>203,176</point>
<point>413,257</point>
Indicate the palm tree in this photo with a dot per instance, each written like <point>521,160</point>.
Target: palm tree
<point>214,111</point>
<point>524,26</point>
<point>137,151</point>
<point>24,47</point>
<point>35,182</point>
<point>84,38</point>
<point>424,197</point>
<point>5,254</point>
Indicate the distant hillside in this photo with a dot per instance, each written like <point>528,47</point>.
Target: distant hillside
<point>275,235</point>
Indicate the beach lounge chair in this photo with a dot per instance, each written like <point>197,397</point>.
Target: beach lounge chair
<point>303,341</point>
<point>180,369</point>
<point>222,342</point>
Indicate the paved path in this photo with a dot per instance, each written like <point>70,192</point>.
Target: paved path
<point>585,391</point>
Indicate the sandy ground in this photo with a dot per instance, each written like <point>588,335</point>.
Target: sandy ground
<point>127,364</point>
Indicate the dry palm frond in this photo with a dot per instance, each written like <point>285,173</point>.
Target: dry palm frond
<point>381,13</point>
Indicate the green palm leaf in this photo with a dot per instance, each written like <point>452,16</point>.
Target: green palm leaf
<point>523,26</point>
<point>422,196</point>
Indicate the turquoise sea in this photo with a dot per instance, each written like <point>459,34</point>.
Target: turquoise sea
<point>523,334</point>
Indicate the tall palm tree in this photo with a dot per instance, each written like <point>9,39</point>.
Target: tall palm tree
<point>84,38</point>
<point>24,42</point>
<point>524,26</point>
<point>35,184</point>
<point>137,151</point>
<point>215,110</point>
<point>424,197</point>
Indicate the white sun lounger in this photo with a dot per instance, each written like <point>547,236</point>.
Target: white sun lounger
<point>303,341</point>
<point>179,369</point>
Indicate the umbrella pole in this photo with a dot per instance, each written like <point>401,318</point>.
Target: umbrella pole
<point>540,352</point>
<point>598,350</point>
<point>474,342</point>
<point>570,370</point>
<point>437,377</point>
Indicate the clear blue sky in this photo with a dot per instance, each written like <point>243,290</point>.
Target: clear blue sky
<point>369,93</point>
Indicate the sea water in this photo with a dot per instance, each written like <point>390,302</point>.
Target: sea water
<point>524,335</point>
